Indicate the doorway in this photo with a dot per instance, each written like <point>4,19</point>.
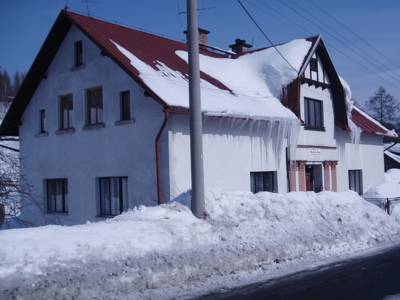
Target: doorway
<point>314,178</point>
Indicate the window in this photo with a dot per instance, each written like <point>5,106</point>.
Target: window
<point>355,181</point>
<point>313,65</point>
<point>314,115</point>
<point>113,192</point>
<point>57,195</point>
<point>78,50</point>
<point>42,121</point>
<point>66,109</point>
<point>263,181</point>
<point>94,106</point>
<point>125,105</point>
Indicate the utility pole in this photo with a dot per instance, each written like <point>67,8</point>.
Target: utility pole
<point>196,130</point>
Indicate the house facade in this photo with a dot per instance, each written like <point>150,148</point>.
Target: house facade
<point>104,124</point>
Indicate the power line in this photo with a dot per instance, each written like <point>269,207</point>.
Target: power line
<point>368,58</point>
<point>265,35</point>
<point>365,41</point>
<point>331,46</point>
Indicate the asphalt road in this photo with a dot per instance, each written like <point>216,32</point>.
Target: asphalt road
<point>373,277</point>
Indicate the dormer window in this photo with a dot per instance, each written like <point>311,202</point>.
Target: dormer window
<point>78,50</point>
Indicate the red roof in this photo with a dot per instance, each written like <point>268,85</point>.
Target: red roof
<point>368,124</point>
<point>149,48</point>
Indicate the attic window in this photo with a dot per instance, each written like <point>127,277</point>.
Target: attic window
<point>78,50</point>
<point>313,65</point>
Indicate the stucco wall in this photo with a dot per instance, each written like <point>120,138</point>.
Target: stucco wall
<point>232,149</point>
<point>82,156</point>
<point>335,144</point>
<point>366,156</point>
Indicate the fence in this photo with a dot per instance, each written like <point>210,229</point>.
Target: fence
<point>385,203</point>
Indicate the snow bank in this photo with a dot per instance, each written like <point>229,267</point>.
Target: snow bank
<point>388,189</point>
<point>392,175</point>
<point>166,252</point>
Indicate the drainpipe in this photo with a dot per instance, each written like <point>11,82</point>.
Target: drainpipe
<point>160,196</point>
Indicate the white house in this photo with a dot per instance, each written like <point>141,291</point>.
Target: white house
<point>103,121</point>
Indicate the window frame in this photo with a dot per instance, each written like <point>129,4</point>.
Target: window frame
<point>122,189</point>
<point>69,113</point>
<point>358,184</point>
<point>98,121</point>
<point>312,124</point>
<point>125,115</point>
<point>52,209</point>
<point>78,53</point>
<point>42,121</point>
<point>264,177</point>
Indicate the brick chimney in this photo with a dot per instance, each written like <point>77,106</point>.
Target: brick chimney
<point>203,36</point>
<point>240,46</point>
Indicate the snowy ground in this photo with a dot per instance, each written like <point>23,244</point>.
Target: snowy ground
<point>164,252</point>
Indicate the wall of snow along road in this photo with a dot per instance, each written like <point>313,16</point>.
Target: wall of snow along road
<point>163,250</point>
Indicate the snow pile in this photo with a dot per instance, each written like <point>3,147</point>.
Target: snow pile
<point>255,79</point>
<point>388,189</point>
<point>165,252</point>
<point>392,175</point>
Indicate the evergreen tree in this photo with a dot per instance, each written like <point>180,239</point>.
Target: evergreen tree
<point>383,107</point>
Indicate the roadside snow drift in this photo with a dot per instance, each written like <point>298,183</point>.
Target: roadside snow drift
<point>165,251</point>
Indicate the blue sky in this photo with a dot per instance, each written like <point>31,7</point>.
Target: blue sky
<point>365,63</point>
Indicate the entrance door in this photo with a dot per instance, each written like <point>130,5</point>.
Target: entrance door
<point>309,178</point>
<point>314,178</point>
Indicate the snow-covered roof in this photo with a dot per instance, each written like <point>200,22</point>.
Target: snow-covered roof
<point>369,125</point>
<point>252,82</point>
<point>395,157</point>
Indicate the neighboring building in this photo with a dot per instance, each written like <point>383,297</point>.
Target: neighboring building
<point>103,121</point>
<point>392,155</point>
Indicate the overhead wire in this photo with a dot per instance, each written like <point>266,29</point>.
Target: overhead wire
<point>331,46</point>
<point>265,35</point>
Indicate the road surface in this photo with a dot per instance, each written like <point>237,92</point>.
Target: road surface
<point>371,277</point>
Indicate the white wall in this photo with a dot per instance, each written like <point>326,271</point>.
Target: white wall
<point>82,156</point>
<point>232,149</point>
<point>335,144</point>
<point>313,137</point>
<point>366,156</point>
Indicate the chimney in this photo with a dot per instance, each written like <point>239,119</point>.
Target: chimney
<point>203,36</point>
<point>240,46</point>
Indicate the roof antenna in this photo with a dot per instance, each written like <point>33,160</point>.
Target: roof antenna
<point>86,2</point>
<point>199,10</point>
<point>66,5</point>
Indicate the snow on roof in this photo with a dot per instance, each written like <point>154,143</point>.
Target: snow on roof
<point>252,82</point>
<point>369,124</point>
